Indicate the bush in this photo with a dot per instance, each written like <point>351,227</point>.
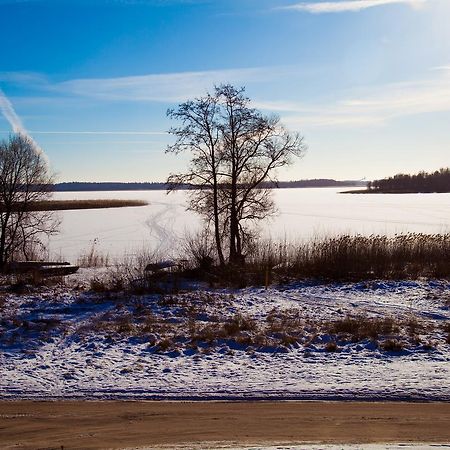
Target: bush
<point>237,324</point>
<point>392,345</point>
<point>331,347</point>
<point>362,327</point>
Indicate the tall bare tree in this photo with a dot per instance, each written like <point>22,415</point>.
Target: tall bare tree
<point>199,133</point>
<point>24,179</point>
<point>236,151</point>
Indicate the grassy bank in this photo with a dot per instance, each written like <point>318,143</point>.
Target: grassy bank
<point>61,205</point>
<point>342,258</point>
<point>356,257</point>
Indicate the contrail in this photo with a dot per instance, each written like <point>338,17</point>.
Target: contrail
<point>11,116</point>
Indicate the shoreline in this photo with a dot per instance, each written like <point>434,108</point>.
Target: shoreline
<point>67,205</point>
<point>372,191</point>
<point>94,425</point>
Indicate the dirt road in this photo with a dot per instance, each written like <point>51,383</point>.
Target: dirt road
<point>99,425</point>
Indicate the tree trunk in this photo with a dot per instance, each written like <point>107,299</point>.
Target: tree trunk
<point>233,222</point>
<point>217,225</point>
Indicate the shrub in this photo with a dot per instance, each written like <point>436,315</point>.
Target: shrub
<point>392,345</point>
<point>237,324</point>
<point>331,347</point>
<point>93,258</point>
<point>165,344</point>
<point>362,327</point>
<point>98,285</point>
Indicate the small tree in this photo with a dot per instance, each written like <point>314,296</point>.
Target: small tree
<point>24,180</point>
<point>236,151</point>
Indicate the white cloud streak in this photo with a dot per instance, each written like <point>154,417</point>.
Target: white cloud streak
<point>368,107</point>
<point>349,5</point>
<point>10,115</point>
<point>16,124</point>
<point>171,87</point>
<point>376,106</point>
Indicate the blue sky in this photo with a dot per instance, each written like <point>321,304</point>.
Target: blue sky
<point>367,82</point>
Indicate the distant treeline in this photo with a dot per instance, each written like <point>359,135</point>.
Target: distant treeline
<point>438,181</point>
<point>104,186</point>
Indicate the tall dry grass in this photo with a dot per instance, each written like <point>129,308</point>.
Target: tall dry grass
<point>408,255</point>
<point>341,258</point>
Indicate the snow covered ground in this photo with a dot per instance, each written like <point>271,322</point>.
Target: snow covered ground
<point>287,342</point>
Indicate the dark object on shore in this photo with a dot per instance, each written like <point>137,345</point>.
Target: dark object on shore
<point>166,265</point>
<point>42,268</point>
<point>159,266</point>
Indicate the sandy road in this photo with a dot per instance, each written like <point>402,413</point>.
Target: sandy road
<point>93,425</point>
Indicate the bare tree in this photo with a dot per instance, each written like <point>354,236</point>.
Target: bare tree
<point>236,151</point>
<point>24,180</point>
<point>199,133</point>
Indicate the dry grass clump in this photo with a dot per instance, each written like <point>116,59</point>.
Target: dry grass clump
<point>284,320</point>
<point>237,324</point>
<point>387,333</point>
<point>446,330</point>
<point>392,345</point>
<point>413,326</point>
<point>98,285</point>
<point>276,330</point>
<point>242,329</point>
<point>331,347</point>
<point>445,297</point>
<point>198,333</point>
<point>362,327</point>
<point>93,258</point>
<point>165,345</point>
<point>124,323</point>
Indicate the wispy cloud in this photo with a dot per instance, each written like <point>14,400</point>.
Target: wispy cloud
<point>377,105</point>
<point>170,87</point>
<point>374,105</point>
<point>349,5</point>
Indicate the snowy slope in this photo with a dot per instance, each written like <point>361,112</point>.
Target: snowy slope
<point>61,342</point>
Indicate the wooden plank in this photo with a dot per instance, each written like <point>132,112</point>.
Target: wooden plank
<point>57,271</point>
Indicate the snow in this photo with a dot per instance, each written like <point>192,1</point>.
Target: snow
<point>62,342</point>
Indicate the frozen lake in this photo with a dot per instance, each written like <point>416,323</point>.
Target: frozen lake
<point>302,213</point>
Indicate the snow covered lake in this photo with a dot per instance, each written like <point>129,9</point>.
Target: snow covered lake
<point>302,213</point>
